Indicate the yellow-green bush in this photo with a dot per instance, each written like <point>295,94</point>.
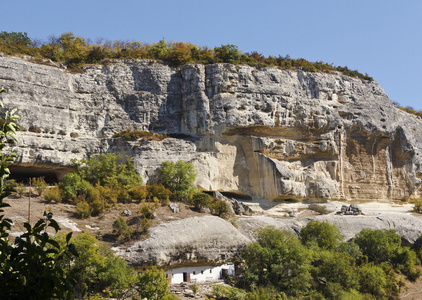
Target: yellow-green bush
<point>83,210</point>
<point>139,192</point>
<point>53,194</point>
<point>158,191</point>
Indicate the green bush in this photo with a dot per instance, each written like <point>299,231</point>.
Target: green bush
<point>147,211</point>
<point>121,228</point>
<point>201,201</point>
<point>418,206</point>
<point>99,270</point>
<point>139,192</point>
<point>39,184</point>
<point>277,259</point>
<point>83,210</point>
<point>123,195</point>
<point>220,208</point>
<point>53,194</point>
<point>158,191</point>
<point>323,234</point>
<point>222,292</point>
<point>153,284</point>
<point>372,280</point>
<point>97,207</point>
<point>177,177</point>
<point>72,186</point>
<point>377,245</point>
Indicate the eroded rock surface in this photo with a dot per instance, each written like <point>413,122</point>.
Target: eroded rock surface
<point>266,133</point>
<point>192,240</point>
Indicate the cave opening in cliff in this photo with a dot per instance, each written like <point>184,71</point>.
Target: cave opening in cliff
<point>232,194</point>
<point>24,173</point>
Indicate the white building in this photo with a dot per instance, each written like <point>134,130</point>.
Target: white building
<point>200,274</point>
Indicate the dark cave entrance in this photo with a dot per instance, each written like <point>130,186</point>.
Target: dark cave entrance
<point>51,174</point>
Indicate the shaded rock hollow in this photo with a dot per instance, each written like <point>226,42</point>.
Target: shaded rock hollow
<point>266,133</point>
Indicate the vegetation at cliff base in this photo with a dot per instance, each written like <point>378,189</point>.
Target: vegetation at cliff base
<point>318,265</point>
<point>75,51</point>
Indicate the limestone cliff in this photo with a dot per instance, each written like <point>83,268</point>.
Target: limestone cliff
<point>266,133</point>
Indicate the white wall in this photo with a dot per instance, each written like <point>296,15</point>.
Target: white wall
<point>199,274</point>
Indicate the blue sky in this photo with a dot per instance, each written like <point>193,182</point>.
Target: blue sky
<point>381,38</point>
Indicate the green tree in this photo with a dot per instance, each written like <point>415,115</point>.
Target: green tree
<point>277,258</point>
<point>72,185</point>
<point>153,284</point>
<point>323,234</point>
<point>378,246</point>
<point>372,281</point>
<point>15,38</point>
<point>178,177</point>
<point>335,268</point>
<point>227,54</point>
<point>159,50</point>
<point>98,268</point>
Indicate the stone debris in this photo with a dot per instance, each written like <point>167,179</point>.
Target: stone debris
<point>236,207</point>
<point>174,207</point>
<point>352,209</point>
<point>126,212</point>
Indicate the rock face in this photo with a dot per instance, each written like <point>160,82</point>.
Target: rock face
<point>265,133</point>
<point>193,240</point>
<point>209,239</point>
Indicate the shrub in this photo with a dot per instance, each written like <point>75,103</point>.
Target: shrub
<point>323,234</point>
<point>83,210</point>
<point>177,177</point>
<point>135,134</point>
<point>227,54</point>
<point>97,207</point>
<point>138,192</point>
<point>201,201</point>
<point>418,206</point>
<point>20,189</point>
<point>53,194</point>
<point>372,280</point>
<point>145,225</point>
<point>123,195</point>
<point>70,185</point>
<point>222,292</point>
<point>147,211</point>
<point>158,191</point>
<point>121,228</point>
<point>99,270</point>
<point>220,208</point>
<point>377,245</point>
<point>39,184</point>
<point>318,208</point>
<point>278,258</point>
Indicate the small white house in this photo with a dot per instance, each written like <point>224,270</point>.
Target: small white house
<point>200,274</point>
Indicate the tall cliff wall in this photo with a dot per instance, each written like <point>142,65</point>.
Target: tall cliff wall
<point>266,133</point>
